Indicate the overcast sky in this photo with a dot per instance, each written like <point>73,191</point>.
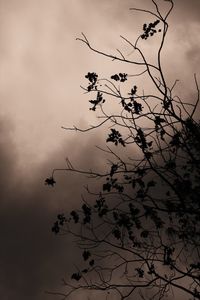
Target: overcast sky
<point>41,69</point>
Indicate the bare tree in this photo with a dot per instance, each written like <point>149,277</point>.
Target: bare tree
<point>140,235</point>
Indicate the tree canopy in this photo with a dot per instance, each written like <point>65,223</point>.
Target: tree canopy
<point>140,235</point>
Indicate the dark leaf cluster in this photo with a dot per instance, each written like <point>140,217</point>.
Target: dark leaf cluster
<point>99,100</point>
<point>168,252</point>
<point>86,254</point>
<point>115,137</point>
<point>176,140</point>
<point>112,183</point>
<point>151,213</point>
<point>101,207</point>
<point>158,125</point>
<point>56,227</point>
<point>133,91</point>
<point>60,222</point>
<point>127,106</point>
<point>149,30</point>
<point>87,213</point>
<point>76,276</point>
<point>113,169</point>
<point>140,272</point>
<point>119,77</point>
<point>132,106</point>
<point>50,181</point>
<point>137,107</point>
<point>123,220</point>
<point>92,77</point>
<point>75,216</point>
<point>140,139</point>
<point>117,233</point>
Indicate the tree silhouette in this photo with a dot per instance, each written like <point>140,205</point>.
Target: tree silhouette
<point>141,234</point>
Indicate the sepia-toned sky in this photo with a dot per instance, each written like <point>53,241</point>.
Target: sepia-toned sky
<point>41,69</point>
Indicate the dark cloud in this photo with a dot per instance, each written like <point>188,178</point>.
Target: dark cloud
<point>32,258</point>
<point>28,251</point>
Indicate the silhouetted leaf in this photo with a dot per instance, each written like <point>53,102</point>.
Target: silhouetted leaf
<point>117,234</point>
<point>87,213</point>
<point>148,155</point>
<point>61,219</point>
<point>149,29</point>
<point>76,276</point>
<point>115,77</point>
<point>140,272</point>
<point>92,77</point>
<point>56,227</point>
<point>50,181</point>
<point>75,216</point>
<point>91,263</point>
<point>119,77</point>
<point>99,100</point>
<point>158,120</point>
<point>115,137</point>
<point>85,271</point>
<point>86,254</point>
<point>176,140</point>
<point>137,107</point>
<point>141,139</point>
<point>107,187</point>
<point>113,169</point>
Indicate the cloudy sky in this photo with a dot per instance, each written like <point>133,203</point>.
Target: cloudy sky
<point>41,69</point>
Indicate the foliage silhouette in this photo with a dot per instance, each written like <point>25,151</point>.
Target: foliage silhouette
<point>141,236</point>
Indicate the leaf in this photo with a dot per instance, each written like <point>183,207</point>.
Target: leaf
<point>87,213</point>
<point>75,216</point>
<point>101,206</point>
<point>148,155</point>
<point>141,139</point>
<point>158,120</point>
<point>107,187</point>
<point>50,181</point>
<point>117,234</point>
<point>176,140</point>
<point>98,101</point>
<point>76,276</point>
<point>85,271</point>
<point>133,91</point>
<point>86,254</point>
<point>92,77</point>
<point>137,107</point>
<point>55,227</point>
<point>115,137</point>
<point>123,77</point>
<point>119,77</point>
<point>149,30</point>
<point>140,272</point>
<point>61,219</point>
<point>91,263</point>
<point>114,168</point>
<point>115,77</point>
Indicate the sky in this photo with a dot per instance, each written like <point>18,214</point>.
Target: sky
<point>42,66</point>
